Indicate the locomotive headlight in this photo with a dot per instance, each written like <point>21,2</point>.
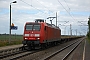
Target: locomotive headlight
<point>26,38</point>
<point>38,38</point>
<point>26,34</point>
<point>37,35</point>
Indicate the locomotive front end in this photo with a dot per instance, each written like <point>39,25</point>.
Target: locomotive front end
<point>31,34</point>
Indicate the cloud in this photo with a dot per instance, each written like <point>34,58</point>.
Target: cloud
<point>27,10</point>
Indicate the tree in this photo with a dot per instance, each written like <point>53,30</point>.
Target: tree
<point>88,34</point>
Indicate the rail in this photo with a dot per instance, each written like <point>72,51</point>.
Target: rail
<point>57,52</point>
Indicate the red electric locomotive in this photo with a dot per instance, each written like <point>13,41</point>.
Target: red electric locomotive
<point>41,34</point>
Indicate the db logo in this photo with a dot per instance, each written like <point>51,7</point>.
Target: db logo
<point>31,34</point>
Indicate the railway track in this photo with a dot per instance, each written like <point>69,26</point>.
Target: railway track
<point>39,55</point>
<point>22,55</point>
<point>17,53</point>
<point>5,54</point>
<point>63,54</point>
<point>9,52</point>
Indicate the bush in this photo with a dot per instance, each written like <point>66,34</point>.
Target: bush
<point>88,35</point>
<point>15,39</point>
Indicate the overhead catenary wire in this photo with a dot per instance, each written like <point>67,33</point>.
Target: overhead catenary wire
<point>65,9</point>
<point>35,7</point>
<point>67,4</point>
<point>68,7</point>
<point>44,6</point>
<point>31,6</point>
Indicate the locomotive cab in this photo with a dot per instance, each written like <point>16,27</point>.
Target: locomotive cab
<point>33,33</point>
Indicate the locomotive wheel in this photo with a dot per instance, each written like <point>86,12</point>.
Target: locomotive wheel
<point>32,47</point>
<point>23,47</point>
<point>43,46</point>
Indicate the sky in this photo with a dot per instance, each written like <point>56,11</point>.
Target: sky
<point>69,12</point>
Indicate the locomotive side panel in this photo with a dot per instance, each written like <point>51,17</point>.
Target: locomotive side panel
<point>42,33</point>
<point>52,34</point>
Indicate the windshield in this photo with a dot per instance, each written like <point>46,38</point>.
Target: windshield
<point>32,26</point>
<point>36,27</point>
<point>29,27</point>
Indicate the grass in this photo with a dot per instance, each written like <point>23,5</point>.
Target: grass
<point>15,39</point>
<point>88,39</point>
